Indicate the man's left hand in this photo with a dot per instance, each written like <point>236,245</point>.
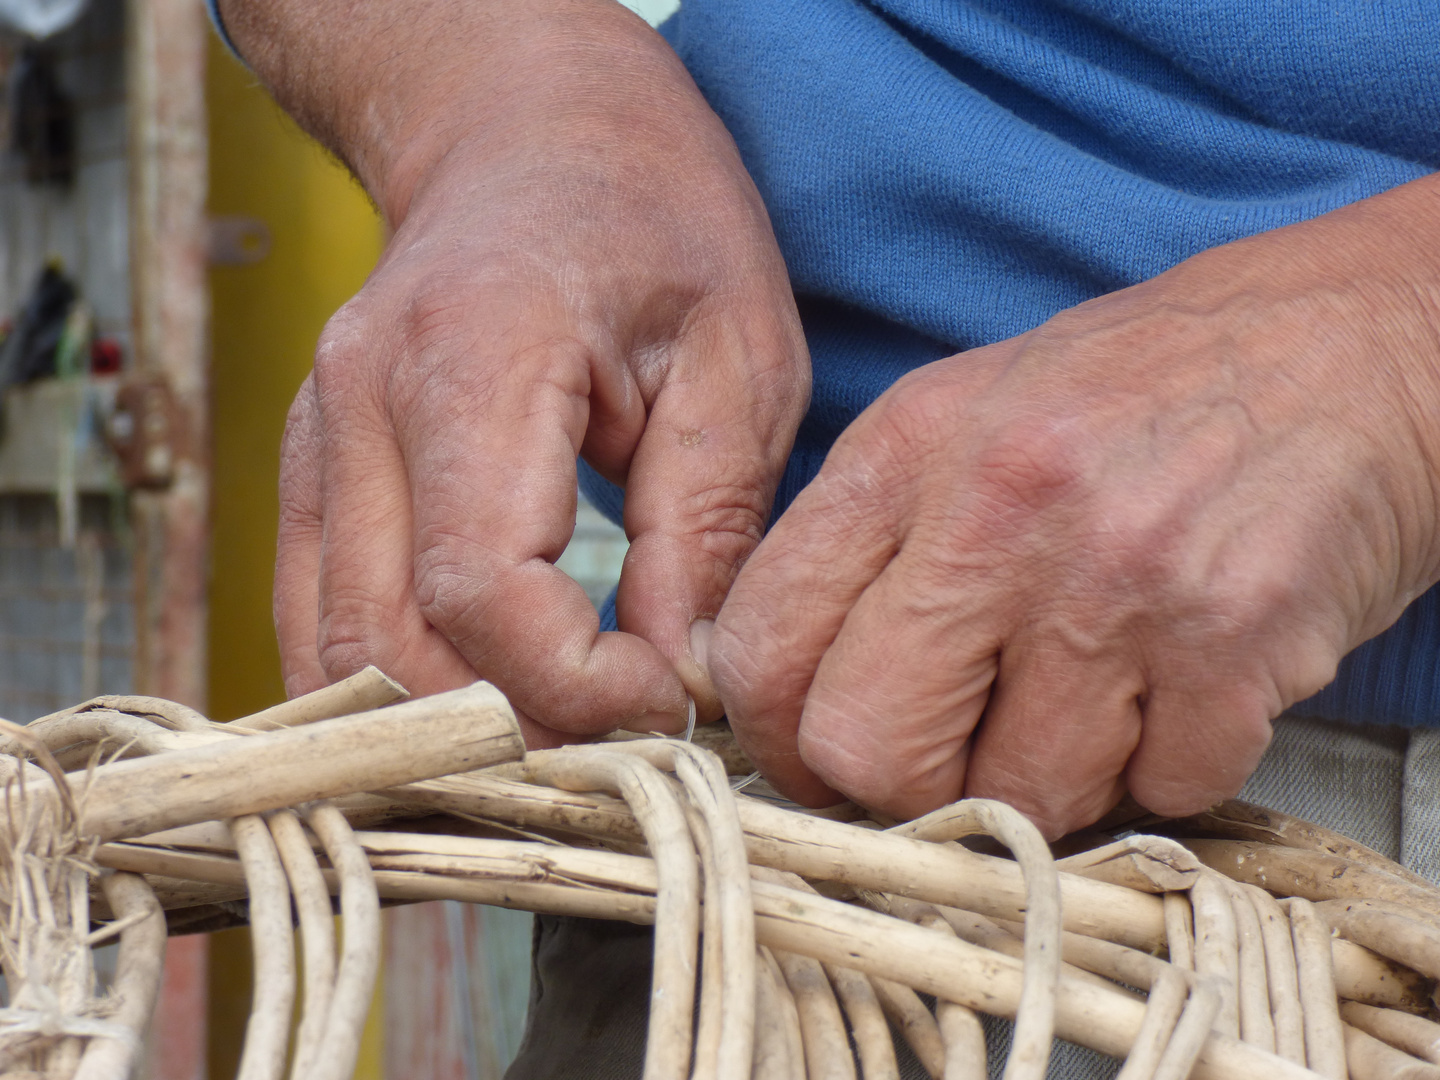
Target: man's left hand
<point>1108,552</point>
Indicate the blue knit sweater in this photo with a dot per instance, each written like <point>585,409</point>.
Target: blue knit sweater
<point>947,173</point>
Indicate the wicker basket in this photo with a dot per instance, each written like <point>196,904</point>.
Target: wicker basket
<point>1241,943</point>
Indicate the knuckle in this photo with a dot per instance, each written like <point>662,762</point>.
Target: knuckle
<point>844,765</point>
<point>346,339</point>
<point>351,358</point>
<point>728,521</point>
<point>756,676</point>
<point>1029,464</point>
<point>351,633</point>
<point>302,420</point>
<point>911,422</point>
<point>448,586</point>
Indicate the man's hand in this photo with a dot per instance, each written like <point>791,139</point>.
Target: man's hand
<point>1108,552</point>
<point>580,265</point>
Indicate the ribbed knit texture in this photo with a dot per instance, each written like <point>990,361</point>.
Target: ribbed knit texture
<point>944,174</point>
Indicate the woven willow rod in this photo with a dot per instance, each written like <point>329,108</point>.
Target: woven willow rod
<point>1243,944</point>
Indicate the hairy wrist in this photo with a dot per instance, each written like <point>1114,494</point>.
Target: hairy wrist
<point>392,89</point>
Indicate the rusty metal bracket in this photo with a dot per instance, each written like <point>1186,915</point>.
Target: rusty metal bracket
<point>145,431</point>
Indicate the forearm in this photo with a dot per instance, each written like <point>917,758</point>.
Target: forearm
<point>1386,250</point>
<point>1395,240</point>
<point>1356,292</point>
<point>390,88</point>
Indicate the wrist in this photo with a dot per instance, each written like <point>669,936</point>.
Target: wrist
<point>1342,317</point>
<point>393,90</point>
<point>1397,274</point>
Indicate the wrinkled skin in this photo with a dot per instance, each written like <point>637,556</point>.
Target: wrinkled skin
<point>579,276</point>
<point>1102,554</point>
<point>1106,553</point>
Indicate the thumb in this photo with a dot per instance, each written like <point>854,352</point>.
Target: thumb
<point>698,497</point>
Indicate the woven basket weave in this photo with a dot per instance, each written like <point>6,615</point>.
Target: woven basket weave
<point>1240,943</point>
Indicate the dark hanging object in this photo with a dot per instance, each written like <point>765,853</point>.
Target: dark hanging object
<point>29,352</point>
<point>42,119</point>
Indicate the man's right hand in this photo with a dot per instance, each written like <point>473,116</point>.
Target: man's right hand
<point>579,265</point>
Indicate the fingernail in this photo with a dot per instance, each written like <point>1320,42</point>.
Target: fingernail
<point>700,631</point>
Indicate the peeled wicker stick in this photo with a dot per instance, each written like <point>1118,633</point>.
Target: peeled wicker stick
<point>1163,1008</point>
<point>1217,949</point>
<point>1035,1024</point>
<point>1094,965</point>
<point>1153,864</point>
<point>1180,930</point>
<point>1367,1058</point>
<point>1281,976</point>
<point>1413,1034</point>
<point>1193,1031</point>
<point>775,1050</point>
<point>360,956</point>
<point>1363,976</point>
<point>1236,820</point>
<point>268,1031</point>
<point>677,903</point>
<point>462,729</point>
<point>960,1028</point>
<point>1315,875</point>
<point>707,788</point>
<point>138,968</point>
<point>873,1045</point>
<point>167,715</point>
<point>827,1051</point>
<point>1388,929</point>
<point>226,776</point>
<point>1324,1037</point>
<point>822,1028</point>
<point>904,1009</point>
<point>788,1012</point>
<point>369,688</point>
<point>712,983</point>
<point>1257,1026</point>
<point>317,935</point>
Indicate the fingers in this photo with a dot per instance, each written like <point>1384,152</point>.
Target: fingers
<point>367,611</point>
<point>699,491</point>
<point>898,693</point>
<point>367,614</point>
<point>1198,749</point>
<point>1058,731</point>
<point>489,451</point>
<point>786,608</point>
<point>297,562</point>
